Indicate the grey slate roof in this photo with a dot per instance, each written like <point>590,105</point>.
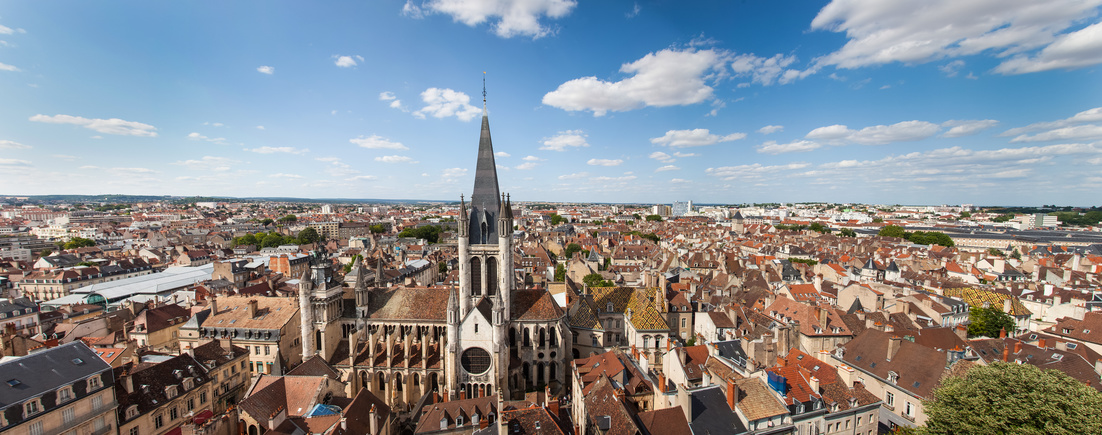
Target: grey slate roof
<point>711,414</point>
<point>10,306</point>
<point>486,199</point>
<point>48,370</point>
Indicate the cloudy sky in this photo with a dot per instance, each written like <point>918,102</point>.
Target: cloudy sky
<point>885,101</point>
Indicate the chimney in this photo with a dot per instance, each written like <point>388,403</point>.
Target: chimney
<point>1056,300</point>
<point>814,384</point>
<point>1006,353</point>
<point>732,393</point>
<point>373,423</point>
<point>213,304</point>
<point>893,347</point>
<point>252,308</point>
<point>1007,305</point>
<point>1002,333</point>
<point>128,381</point>
<point>1062,345</point>
<point>344,423</point>
<point>1098,367</point>
<point>662,381</point>
<point>961,331</point>
<point>846,373</point>
<point>1041,344</point>
<point>1018,347</point>
<point>823,319</point>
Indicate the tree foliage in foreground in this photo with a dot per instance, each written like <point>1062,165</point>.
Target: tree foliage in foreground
<point>989,322</point>
<point>1005,398</point>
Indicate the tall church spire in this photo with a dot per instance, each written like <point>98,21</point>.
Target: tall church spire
<point>485,201</point>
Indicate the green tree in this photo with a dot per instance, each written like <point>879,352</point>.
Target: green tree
<point>288,219</point>
<point>79,242</point>
<point>654,218</point>
<point>442,267</point>
<point>355,259</point>
<point>989,322</point>
<point>556,219</point>
<point>1003,398</point>
<point>892,231</point>
<point>877,220</point>
<point>596,280</point>
<point>560,273</point>
<point>378,229</point>
<point>818,227</point>
<point>571,249</point>
<point>847,232</point>
<point>309,235</point>
<point>45,253</point>
<point>266,221</point>
<point>271,240</point>
<point>429,233</point>
<point>1003,218</point>
<point>965,215</point>
<point>995,252</point>
<point>247,239</point>
<point>1016,255</point>
<point>635,216</point>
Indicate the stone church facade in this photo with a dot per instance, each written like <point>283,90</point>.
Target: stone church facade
<point>485,337</point>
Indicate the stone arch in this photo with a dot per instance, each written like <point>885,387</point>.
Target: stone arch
<point>434,383</point>
<point>398,383</point>
<point>539,373</point>
<point>553,371</point>
<point>364,380</point>
<point>527,338</point>
<point>491,276</point>
<point>476,276</point>
<point>526,374</point>
<point>543,337</point>
<point>382,382</point>
<point>553,337</point>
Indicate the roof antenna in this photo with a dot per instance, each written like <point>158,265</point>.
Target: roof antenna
<point>483,89</point>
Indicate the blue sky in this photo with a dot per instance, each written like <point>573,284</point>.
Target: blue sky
<point>934,102</point>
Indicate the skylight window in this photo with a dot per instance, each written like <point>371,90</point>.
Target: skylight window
<point>14,383</point>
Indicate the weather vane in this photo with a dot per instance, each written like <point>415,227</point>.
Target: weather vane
<point>483,88</point>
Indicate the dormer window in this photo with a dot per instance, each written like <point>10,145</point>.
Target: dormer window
<point>444,423</point>
<point>170,391</point>
<point>893,377</point>
<point>459,421</point>
<point>131,412</point>
<point>608,307</point>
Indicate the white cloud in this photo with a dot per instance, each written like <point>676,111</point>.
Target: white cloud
<point>64,157</point>
<point>376,142</point>
<point>197,136</point>
<point>770,129</point>
<point>574,176</point>
<point>6,67</point>
<point>265,69</point>
<point>289,176</point>
<point>881,32</point>
<point>960,128</point>
<point>387,96</point>
<point>347,61</point>
<point>107,126</point>
<point>214,124</point>
<point>533,159</point>
<point>502,154</point>
<point>5,30</point>
<point>876,135</point>
<point>565,139</point>
<point>666,78</point>
<point>1090,115</point>
<point>526,166</point>
<point>680,181</point>
<point>395,159</point>
<point>753,171</point>
<point>453,173</point>
<point>634,11</point>
<point>260,127</point>
<point>605,179</point>
<point>14,162</point>
<point>662,157</point>
<point>772,147</point>
<point>13,145</point>
<point>1073,50</point>
<point>442,103</point>
<point>1078,132</point>
<point>508,18</point>
<point>952,68</point>
<point>274,150</point>
<point>682,155</point>
<point>694,138</point>
<point>667,168</point>
<point>767,70</point>
<point>604,162</point>
<point>208,163</point>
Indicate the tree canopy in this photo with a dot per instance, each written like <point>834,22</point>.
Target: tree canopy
<point>560,273</point>
<point>289,218</point>
<point>988,322</point>
<point>919,237</point>
<point>556,219</point>
<point>596,280</point>
<point>654,218</point>
<point>1003,398</point>
<point>571,249</point>
<point>430,233</point>
<point>79,242</point>
<point>847,232</point>
<point>309,235</point>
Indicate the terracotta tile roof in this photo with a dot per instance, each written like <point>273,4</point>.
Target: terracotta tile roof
<point>535,420</point>
<point>156,319</point>
<point>467,408</point>
<point>602,402</point>
<point>402,303</point>
<point>315,366</point>
<point>757,401</point>
<point>1089,329</point>
<point>534,304</point>
<point>668,421</point>
<point>271,313</point>
<point>918,367</point>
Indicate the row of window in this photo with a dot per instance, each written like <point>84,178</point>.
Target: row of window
<point>64,394</point>
<point>173,412</point>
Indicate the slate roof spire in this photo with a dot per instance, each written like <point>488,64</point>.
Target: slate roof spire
<point>485,201</point>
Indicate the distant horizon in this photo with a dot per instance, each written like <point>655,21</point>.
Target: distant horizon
<point>353,201</point>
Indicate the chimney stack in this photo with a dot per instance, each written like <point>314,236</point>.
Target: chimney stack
<point>814,384</point>
<point>961,331</point>
<point>1006,354</point>
<point>847,374</point>
<point>213,304</point>
<point>252,308</point>
<point>373,425</point>
<point>1018,347</point>
<point>732,393</point>
<point>893,347</point>
<point>823,319</point>
<point>1041,343</point>
<point>662,381</point>
<point>1007,305</point>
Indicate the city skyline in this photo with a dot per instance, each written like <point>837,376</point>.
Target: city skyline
<point>987,102</point>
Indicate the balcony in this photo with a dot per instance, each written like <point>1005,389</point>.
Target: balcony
<point>85,418</point>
